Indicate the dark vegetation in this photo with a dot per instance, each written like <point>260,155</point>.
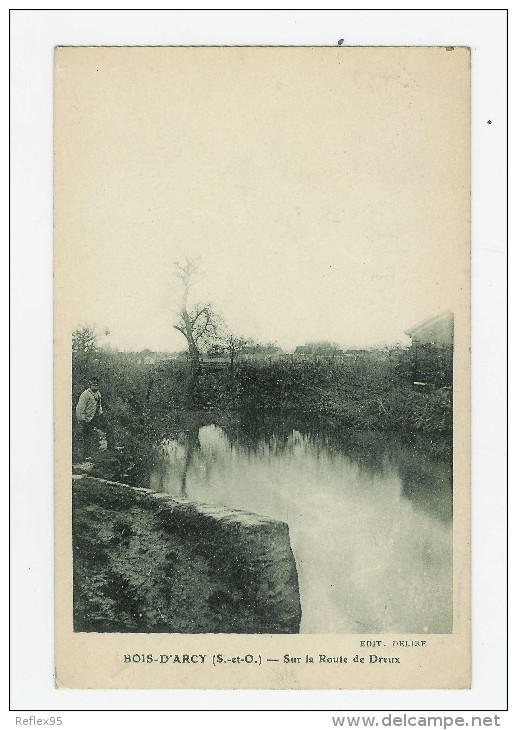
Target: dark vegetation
<point>407,392</point>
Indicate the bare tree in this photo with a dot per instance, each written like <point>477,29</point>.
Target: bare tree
<point>234,345</point>
<point>198,323</point>
<point>84,340</point>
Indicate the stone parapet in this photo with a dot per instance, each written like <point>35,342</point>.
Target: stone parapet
<point>148,562</point>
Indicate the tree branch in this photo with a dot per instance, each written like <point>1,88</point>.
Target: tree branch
<point>197,314</point>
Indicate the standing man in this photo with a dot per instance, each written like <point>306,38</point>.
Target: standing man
<point>90,417</point>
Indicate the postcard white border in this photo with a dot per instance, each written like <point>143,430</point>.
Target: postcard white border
<point>34,33</point>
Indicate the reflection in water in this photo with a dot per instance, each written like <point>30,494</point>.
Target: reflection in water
<point>173,461</point>
<point>370,522</point>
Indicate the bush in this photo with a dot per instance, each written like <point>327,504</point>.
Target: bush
<point>373,391</point>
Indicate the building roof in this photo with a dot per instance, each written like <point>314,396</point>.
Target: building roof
<point>426,323</point>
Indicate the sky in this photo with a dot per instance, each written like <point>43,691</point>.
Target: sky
<point>325,191</point>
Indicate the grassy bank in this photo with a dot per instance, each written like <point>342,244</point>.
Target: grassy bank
<point>374,392</point>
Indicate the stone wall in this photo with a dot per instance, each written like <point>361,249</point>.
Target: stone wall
<point>147,562</point>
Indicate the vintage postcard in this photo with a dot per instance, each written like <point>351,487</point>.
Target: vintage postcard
<point>262,380</point>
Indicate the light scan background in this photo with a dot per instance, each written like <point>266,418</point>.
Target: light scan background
<point>34,34</point>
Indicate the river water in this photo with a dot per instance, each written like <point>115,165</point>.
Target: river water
<point>370,519</point>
